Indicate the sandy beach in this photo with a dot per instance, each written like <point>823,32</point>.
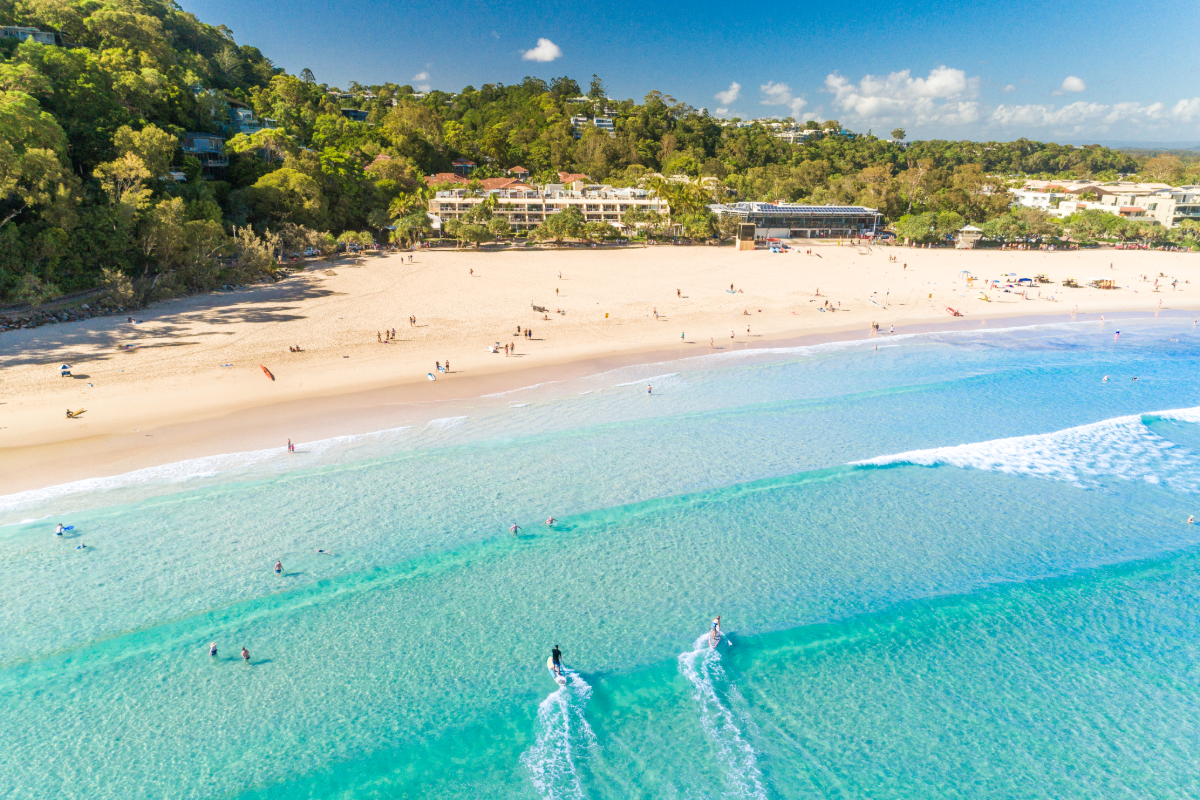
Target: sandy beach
<point>186,380</point>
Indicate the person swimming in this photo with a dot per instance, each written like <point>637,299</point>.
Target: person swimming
<point>715,634</point>
<point>513,530</point>
<point>326,553</point>
<point>550,521</point>
<point>556,660</point>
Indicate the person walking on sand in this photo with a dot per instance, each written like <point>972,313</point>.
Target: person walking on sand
<point>289,445</point>
<point>678,293</point>
<point>649,389</point>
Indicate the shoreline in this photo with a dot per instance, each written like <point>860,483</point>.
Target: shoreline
<point>185,381</point>
<point>363,412</point>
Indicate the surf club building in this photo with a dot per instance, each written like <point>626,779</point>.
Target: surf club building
<point>796,221</point>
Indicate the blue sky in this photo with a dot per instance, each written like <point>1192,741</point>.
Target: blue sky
<point>1097,71</point>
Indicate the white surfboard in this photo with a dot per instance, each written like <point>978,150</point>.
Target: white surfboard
<point>712,643</point>
<point>561,680</point>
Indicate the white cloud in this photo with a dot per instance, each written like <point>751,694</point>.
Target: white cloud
<point>1186,110</point>
<point>495,35</point>
<point>421,79</point>
<point>729,95</point>
<point>1008,89</point>
<point>1073,84</point>
<point>780,94</point>
<point>944,96</point>
<point>1082,118</point>
<point>722,112</point>
<point>546,50</point>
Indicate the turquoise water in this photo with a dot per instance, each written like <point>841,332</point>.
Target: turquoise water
<point>955,566</point>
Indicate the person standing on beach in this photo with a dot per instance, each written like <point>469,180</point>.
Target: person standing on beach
<point>289,446</point>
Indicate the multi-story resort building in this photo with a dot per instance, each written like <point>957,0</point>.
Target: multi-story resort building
<point>795,221</point>
<point>1155,202</point>
<point>526,206</point>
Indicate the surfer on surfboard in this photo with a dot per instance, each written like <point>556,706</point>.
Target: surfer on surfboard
<point>556,661</point>
<point>714,636</point>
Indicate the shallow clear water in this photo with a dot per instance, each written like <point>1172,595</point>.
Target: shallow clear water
<point>955,566</point>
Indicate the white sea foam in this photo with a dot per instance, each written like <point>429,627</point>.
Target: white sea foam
<point>664,376</point>
<point>447,422</point>
<point>562,736</point>
<point>1121,447</point>
<point>190,469</point>
<point>702,667</point>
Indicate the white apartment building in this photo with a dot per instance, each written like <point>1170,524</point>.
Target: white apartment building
<point>1167,207</point>
<point>604,123</point>
<point>526,207</point>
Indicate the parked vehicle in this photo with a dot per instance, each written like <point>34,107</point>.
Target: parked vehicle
<point>311,251</point>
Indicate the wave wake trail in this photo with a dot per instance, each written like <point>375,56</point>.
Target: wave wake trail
<point>1121,447</point>
<point>712,694</point>
<point>562,736</point>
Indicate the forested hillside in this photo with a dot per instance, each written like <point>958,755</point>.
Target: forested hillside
<point>90,132</point>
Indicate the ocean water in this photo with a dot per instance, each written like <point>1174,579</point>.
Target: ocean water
<point>953,565</point>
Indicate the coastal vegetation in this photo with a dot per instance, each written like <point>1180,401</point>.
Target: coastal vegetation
<point>96,190</point>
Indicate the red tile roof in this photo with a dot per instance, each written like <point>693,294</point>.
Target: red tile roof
<point>446,177</point>
<point>517,170</point>
<point>571,177</point>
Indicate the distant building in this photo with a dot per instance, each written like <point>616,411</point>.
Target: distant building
<point>354,114</point>
<point>605,123</point>
<point>463,166</point>
<point>796,221</point>
<point>25,34</point>
<point>209,150</point>
<point>526,206</point>
<point>244,121</point>
<point>517,172</point>
<point>967,236</point>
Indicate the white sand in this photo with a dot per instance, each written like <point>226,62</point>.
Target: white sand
<point>172,372</point>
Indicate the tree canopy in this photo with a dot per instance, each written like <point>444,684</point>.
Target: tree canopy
<point>90,156</point>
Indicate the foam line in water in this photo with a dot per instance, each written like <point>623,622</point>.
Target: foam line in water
<point>562,736</point>
<point>190,469</point>
<point>702,667</point>
<point>1121,447</point>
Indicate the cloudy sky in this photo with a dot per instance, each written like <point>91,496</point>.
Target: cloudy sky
<point>1080,72</point>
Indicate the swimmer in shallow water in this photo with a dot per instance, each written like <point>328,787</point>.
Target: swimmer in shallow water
<point>550,521</point>
<point>59,530</point>
<point>278,567</point>
<point>326,553</point>
<point>245,655</point>
<point>212,650</point>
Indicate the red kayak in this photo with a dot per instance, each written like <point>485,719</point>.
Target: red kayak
<point>264,369</point>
